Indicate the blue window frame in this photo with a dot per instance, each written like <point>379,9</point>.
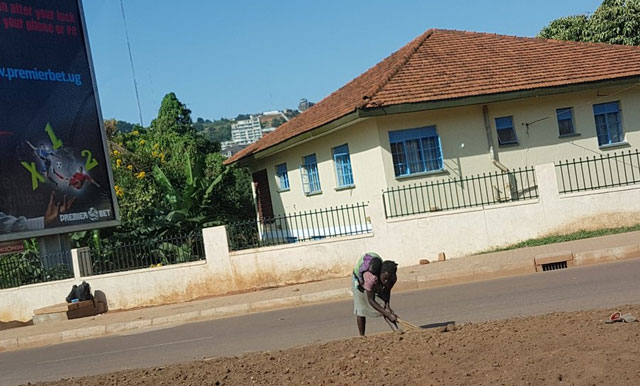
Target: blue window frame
<point>342,161</point>
<point>608,123</point>
<point>310,176</point>
<point>283,176</point>
<point>565,121</point>
<point>415,151</point>
<point>506,132</point>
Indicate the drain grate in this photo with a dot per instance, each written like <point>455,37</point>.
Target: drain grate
<point>554,266</point>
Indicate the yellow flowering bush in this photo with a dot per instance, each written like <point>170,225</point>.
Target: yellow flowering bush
<point>141,175</point>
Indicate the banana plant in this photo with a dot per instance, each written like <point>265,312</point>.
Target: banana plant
<point>187,205</point>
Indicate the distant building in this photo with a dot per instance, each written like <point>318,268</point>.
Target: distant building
<point>247,131</point>
<point>224,145</point>
<point>229,151</point>
<point>304,104</point>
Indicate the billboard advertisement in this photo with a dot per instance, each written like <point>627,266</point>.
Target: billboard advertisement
<point>55,175</point>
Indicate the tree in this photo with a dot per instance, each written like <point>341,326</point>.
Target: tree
<point>169,178</point>
<point>566,28</point>
<point>614,22</point>
<point>173,116</point>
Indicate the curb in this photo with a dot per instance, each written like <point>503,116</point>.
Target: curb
<point>191,316</point>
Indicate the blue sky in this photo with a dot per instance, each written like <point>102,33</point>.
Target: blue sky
<point>223,58</point>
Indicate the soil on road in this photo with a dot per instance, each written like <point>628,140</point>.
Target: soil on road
<point>575,348</point>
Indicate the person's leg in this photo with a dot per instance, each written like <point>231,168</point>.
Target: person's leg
<point>362,324</point>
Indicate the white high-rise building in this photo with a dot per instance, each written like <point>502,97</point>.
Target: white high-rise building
<point>246,131</point>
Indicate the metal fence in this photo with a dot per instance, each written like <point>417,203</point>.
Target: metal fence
<point>144,254</point>
<point>319,224</point>
<point>22,269</point>
<point>463,192</point>
<point>598,172</point>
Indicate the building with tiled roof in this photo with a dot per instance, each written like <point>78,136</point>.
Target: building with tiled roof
<point>449,105</point>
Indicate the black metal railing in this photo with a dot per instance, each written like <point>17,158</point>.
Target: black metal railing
<point>457,193</point>
<point>598,172</point>
<point>144,254</point>
<point>22,269</point>
<point>319,224</point>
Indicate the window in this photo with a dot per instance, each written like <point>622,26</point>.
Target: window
<point>310,177</point>
<point>506,133</point>
<point>608,123</point>
<point>565,121</point>
<point>283,177</point>
<point>415,151</point>
<point>343,165</point>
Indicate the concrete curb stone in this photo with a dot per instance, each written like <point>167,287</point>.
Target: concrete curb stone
<point>39,340</point>
<point>8,344</point>
<point>182,317</point>
<point>115,328</point>
<point>83,333</point>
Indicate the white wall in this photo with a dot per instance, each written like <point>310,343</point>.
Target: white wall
<point>406,240</point>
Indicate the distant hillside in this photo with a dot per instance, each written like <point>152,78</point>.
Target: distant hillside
<point>218,130</point>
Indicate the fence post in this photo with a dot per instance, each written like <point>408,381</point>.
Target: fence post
<point>216,250</point>
<point>76,264</point>
<point>547,181</point>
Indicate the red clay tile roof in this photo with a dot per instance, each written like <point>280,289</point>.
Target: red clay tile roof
<point>445,64</point>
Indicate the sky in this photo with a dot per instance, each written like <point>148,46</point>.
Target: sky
<point>224,58</point>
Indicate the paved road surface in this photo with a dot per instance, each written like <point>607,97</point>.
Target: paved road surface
<point>572,289</point>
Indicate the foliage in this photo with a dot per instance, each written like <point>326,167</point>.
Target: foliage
<point>215,131</point>
<point>171,178</point>
<point>566,28</point>
<point>26,268</point>
<point>277,121</point>
<point>614,22</point>
<point>174,116</point>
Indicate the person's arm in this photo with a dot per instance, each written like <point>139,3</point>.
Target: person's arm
<point>386,313</point>
<point>9,224</point>
<point>30,145</point>
<point>386,292</point>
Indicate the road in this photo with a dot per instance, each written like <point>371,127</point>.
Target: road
<point>601,286</point>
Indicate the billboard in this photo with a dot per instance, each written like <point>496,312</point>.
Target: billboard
<point>55,174</point>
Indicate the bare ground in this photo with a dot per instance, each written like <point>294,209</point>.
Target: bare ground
<point>575,348</point>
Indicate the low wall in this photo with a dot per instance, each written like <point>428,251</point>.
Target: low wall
<point>406,240</point>
<point>298,263</point>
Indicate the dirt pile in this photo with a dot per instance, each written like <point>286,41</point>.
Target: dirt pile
<point>553,349</point>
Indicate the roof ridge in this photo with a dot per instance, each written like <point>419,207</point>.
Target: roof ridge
<point>394,70</point>
<point>536,38</point>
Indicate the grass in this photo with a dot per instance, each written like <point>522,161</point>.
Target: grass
<point>560,238</point>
